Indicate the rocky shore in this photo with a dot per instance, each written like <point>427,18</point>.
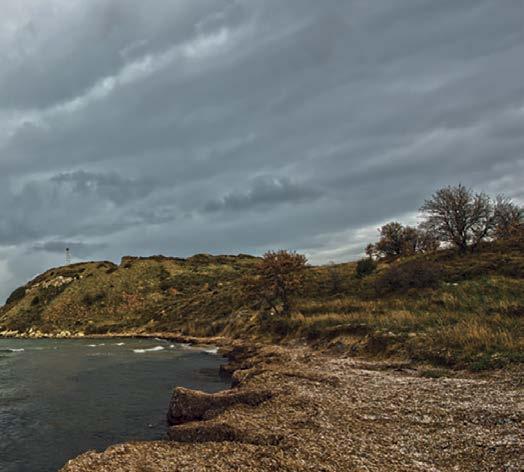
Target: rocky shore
<point>294,409</point>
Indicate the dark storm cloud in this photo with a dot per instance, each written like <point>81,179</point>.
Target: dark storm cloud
<point>70,204</point>
<point>144,127</point>
<point>61,51</point>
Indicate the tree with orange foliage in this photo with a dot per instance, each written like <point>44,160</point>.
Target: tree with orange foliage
<point>277,277</point>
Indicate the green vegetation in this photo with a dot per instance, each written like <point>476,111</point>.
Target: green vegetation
<point>416,273</point>
<point>365,267</point>
<point>16,296</point>
<point>447,308</point>
<point>443,308</point>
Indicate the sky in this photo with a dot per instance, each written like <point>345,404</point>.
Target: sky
<point>227,126</point>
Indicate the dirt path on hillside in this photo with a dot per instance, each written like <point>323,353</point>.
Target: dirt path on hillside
<point>340,414</point>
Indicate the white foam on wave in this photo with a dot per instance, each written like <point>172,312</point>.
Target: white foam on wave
<point>152,349</point>
<point>211,350</point>
<point>119,344</point>
<point>208,350</point>
<point>16,350</point>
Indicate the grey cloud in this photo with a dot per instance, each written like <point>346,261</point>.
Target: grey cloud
<point>109,186</point>
<point>69,204</point>
<point>140,127</point>
<point>77,249</point>
<point>62,53</point>
<point>264,192</point>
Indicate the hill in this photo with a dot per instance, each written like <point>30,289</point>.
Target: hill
<point>446,309</point>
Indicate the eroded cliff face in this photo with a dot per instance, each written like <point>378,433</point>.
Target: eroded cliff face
<point>293,409</point>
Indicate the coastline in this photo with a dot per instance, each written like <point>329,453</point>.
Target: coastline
<point>294,409</point>
<point>218,341</point>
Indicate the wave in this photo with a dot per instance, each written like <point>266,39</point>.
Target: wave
<point>119,344</point>
<point>211,350</point>
<point>94,345</point>
<point>12,350</point>
<point>192,347</point>
<point>152,349</point>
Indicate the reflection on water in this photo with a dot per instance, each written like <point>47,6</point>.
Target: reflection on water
<point>59,398</point>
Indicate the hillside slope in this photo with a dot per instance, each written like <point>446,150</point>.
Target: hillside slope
<point>445,308</point>
<point>101,297</point>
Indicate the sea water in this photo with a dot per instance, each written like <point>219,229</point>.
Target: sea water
<point>60,398</point>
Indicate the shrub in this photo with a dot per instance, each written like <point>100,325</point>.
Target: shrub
<point>335,278</point>
<point>48,294</point>
<point>24,320</point>
<point>365,267</point>
<point>413,274</point>
<point>280,326</point>
<point>167,284</point>
<point>90,300</point>
<point>16,296</point>
<point>397,240</point>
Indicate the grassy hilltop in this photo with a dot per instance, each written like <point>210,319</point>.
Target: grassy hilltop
<point>444,308</point>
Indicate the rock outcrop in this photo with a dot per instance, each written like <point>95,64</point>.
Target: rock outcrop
<point>192,405</point>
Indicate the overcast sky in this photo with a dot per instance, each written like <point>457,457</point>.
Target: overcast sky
<point>226,126</point>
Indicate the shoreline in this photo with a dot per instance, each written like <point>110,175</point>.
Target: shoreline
<point>294,409</point>
<point>218,341</point>
<point>281,399</point>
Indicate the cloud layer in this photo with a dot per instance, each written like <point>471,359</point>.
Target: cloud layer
<point>238,125</point>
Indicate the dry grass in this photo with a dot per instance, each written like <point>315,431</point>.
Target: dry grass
<point>477,322</point>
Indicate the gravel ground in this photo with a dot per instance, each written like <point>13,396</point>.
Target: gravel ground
<point>342,414</point>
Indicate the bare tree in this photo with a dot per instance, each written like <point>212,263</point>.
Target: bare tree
<point>426,241</point>
<point>509,218</point>
<point>458,216</point>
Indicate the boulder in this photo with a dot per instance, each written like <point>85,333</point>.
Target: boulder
<point>190,405</point>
